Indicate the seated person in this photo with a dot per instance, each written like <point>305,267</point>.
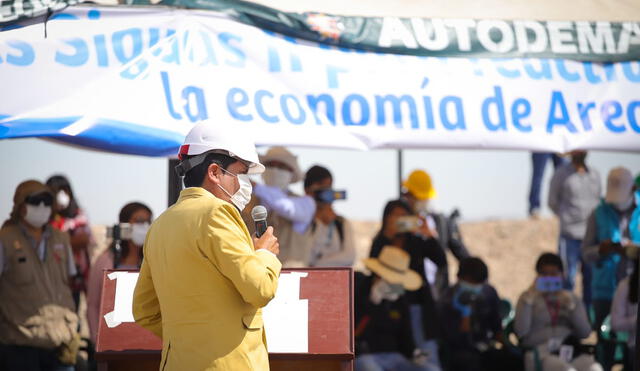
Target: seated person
<point>332,235</point>
<point>550,321</point>
<point>470,313</point>
<point>289,214</point>
<point>624,312</point>
<point>383,329</point>
<point>128,255</point>
<point>400,229</point>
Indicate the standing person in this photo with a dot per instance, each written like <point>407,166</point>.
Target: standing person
<point>573,194</point>
<point>203,280</point>
<point>539,163</point>
<point>548,317</point>
<point>424,317</point>
<point>612,227</point>
<point>38,324</point>
<point>418,193</point>
<point>624,312</point>
<point>138,216</point>
<point>331,234</point>
<point>470,312</point>
<point>289,214</point>
<point>69,217</point>
<point>383,326</point>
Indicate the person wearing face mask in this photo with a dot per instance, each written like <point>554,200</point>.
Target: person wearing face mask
<point>551,320</point>
<point>574,192</point>
<point>288,213</point>
<point>204,279</point>
<point>138,216</point>
<point>471,319</point>
<point>383,339</point>
<point>612,228</point>
<point>38,323</point>
<point>70,218</point>
<point>332,234</point>
<point>423,253</point>
<point>418,192</point>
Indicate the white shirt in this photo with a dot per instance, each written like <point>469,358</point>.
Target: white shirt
<point>298,209</point>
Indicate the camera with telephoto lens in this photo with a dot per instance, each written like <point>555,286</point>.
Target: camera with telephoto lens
<point>329,195</point>
<point>119,232</point>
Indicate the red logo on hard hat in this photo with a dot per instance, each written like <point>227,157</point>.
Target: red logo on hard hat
<point>184,150</point>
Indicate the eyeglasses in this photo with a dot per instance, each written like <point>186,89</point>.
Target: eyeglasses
<point>39,198</point>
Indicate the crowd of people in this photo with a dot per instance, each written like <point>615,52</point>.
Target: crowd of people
<point>408,315</point>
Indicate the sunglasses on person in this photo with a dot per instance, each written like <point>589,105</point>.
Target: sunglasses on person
<point>39,198</point>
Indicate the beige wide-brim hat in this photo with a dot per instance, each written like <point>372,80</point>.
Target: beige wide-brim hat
<point>393,266</point>
<point>281,154</point>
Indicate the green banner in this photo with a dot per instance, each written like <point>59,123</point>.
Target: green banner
<point>467,38</point>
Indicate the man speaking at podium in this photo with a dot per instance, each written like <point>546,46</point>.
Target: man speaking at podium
<point>203,279</point>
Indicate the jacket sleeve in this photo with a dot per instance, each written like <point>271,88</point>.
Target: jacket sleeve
<point>146,307</point>
<point>579,320</point>
<point>555,189</point>
<point>524,314</point>
<point>254,275</point>
<point>622,319</point>
<point>590,247</point>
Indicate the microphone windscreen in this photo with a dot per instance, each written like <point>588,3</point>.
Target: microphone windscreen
<point>259,213</point>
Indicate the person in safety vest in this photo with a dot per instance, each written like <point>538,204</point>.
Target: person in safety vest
<point>204,280</point>
<point>38,323</point>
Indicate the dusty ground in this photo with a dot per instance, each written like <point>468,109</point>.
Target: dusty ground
<point>509,247</point>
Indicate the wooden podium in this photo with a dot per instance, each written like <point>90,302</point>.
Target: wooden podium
<point>329,292</point>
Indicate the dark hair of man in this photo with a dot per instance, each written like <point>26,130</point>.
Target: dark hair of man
<point>549,259</point>
<point>59,183</point>
<point>473,269</point>
<point>316,174</point>
<point>195,176</point>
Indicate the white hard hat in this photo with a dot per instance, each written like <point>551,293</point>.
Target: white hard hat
<point>207,136</point>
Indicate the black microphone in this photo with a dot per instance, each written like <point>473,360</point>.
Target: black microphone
<point>259,216</point>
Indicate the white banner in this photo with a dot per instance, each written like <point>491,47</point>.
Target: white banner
<point>135,80</point>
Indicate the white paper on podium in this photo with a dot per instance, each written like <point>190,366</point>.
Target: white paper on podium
<point>286,317</point>
<point>123,305</point>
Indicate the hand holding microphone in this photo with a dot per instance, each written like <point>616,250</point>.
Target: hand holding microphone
<point>264,235</point>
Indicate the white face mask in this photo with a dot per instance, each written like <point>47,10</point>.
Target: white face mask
<point>37,216</point>
<point>242,197</point>
<point>276,177</point>
<point>382,290</point>
<point>624,205</point>
<point>63,199</point>
<point>139,233</point>
<point>421,206</point>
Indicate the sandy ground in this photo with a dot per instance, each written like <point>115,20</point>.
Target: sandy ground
<point>508,247</point>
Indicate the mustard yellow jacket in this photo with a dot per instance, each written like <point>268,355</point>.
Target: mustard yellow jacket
<point>202,285</point>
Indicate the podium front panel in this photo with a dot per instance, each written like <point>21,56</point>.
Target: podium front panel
<point>330,324</point>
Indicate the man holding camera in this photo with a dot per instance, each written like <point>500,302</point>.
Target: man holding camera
<point>332,235</point>
<point>418,193</point>
<point>203,280</point>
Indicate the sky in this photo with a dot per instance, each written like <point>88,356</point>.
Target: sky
<point>482,184</point>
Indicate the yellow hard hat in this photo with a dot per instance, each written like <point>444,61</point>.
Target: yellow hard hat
<point>419,184</point>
